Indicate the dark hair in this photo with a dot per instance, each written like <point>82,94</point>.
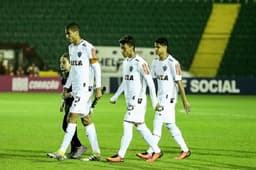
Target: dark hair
<point>73,26</point>
<point>127,39</point>
<point>65,55</point>
<point>162,41</point>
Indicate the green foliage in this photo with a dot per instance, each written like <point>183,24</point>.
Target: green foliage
<point>220,132</point>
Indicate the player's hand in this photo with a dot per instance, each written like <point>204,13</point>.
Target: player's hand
<point>113,100</point>
<point>61,108</point>
<point>158,107</point>
<point>91,111</point>
<point>98,93</point>
<point>65,94</point>
<point>187,107</point>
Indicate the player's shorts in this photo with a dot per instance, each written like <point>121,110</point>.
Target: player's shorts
<point>136,112</point>
<point>82,103</point>
<point>167,115</point>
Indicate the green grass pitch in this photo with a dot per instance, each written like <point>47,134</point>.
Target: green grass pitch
<point>220,131</point>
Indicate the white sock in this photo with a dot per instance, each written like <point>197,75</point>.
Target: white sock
<point>157,133</point>
<point>92,136</point>
<point>176,134</point>
<point>126,139</point>
<point>156,139</point>
<point>148,137</point>
<point>70,131</point>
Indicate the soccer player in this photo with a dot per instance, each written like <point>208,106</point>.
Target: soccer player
<point>77,149</point>
<point>136,76</point>
<point>166,69</point>
<point>82,56</point>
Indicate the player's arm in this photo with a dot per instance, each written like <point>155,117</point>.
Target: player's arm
<point>119,91</point>
<point>97,73</point>
<point>152,91</point>
<point>65,93</point>
<point>178,79</point>
<point>62,105</point>
<point>185,102</point>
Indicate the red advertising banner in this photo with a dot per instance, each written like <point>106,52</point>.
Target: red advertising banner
<point>30,84</point>
<point>5,84</point>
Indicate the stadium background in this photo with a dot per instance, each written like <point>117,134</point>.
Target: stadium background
<point>36,29</point>
<point>220,130</point>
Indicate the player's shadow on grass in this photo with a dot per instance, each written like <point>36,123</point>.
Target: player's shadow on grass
<point>224,152</point>
<point>25,154</point>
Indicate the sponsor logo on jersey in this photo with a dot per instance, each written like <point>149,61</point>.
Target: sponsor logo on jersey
<point>162,77</point>
<point>76,62</point>
<point>128,77</point>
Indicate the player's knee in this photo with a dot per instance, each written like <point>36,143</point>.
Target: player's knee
<point>86,120</point>
<point>157,133</point>
<point>73,118</point>
<point>173,129</point>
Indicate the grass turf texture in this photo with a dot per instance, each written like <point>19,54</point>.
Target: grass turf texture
<point>220,131</point>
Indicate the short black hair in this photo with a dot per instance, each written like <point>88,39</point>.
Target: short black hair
<point>73,26</point>
<point>65,55</point>
<point>127,39</point>
<point>162,41</point>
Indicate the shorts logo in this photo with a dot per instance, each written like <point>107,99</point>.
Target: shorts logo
<point>164,68</point>
<point>79,54</point>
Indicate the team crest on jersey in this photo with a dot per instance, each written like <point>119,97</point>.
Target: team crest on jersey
<point>79,54</point>
<point>164,68</point>
<point>131,68</point>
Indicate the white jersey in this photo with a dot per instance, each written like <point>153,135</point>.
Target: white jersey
<point>167,72</point>
<point>136,77</point>
<point>80,56</point>
<point>80,76</point>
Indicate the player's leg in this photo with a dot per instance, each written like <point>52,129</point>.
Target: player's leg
<point>148,137</point>
<point>65,120</point>
<point>175,131</point>
<point>125,142</point>
<point>70,130</point>
<point>92,137</point>
<point>177,136</point>
<point>76,146</point>
<point>74,143</point>
<point>77,149</point>
<point>64,127</point>
<point>157,132</point>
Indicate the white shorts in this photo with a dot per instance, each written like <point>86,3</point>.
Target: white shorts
<point>136,112</point>
<point>167,115</point>
<point>82,103</point>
